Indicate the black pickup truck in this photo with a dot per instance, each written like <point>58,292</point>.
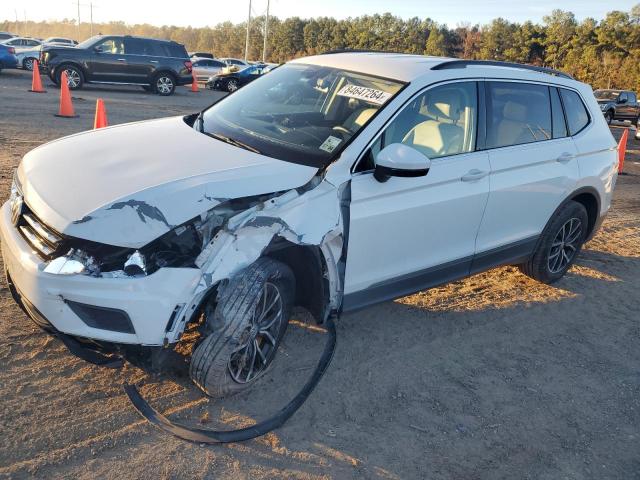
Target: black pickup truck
<point>618,105</point>
<point>156,65</point>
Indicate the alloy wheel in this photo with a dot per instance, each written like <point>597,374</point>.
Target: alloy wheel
<point>28,64</point>
<point>73,77</point>
<point>565,245</point>
<point>164,85</point>
<point>232,86</point>
<point>259,341</point>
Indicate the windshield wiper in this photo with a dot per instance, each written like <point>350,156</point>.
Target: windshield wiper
<point>232,141</point>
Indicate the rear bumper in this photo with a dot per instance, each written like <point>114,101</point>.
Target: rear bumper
<point>9,61</point>
<point>150,302</point>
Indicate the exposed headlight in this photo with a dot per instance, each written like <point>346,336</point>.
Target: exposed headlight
<point>603,106</point>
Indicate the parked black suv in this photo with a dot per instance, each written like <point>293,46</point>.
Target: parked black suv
<point>156,65</point>
<point>618,105</point>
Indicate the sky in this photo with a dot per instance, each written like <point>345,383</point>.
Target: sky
<point>198,13</point>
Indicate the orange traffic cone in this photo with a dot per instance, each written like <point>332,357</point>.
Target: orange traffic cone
<point>100,120</point>
<point>194,83</point>
<point>66,107</point>
<point>36,82</point>
<point>622,149</point>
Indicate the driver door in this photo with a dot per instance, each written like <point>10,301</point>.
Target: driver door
<point>408,234</point>
<point>108,62</point>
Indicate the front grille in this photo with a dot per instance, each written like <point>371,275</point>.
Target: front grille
<point>43,239</point>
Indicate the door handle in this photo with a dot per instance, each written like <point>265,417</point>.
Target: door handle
<point>473,175</point>
<point>153,61</point>
<point>122,59</point>
<point>565,157</point>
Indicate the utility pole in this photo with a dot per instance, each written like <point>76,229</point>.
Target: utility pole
<point>78,4</point>
<point>15,10</point>
<point>246,43</point>
<point>91,17</point>
<point>266,31</point>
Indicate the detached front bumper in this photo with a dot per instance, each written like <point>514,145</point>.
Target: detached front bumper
<point>152,304</point>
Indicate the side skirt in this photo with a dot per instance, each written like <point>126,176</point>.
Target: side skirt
<point>513,253</point>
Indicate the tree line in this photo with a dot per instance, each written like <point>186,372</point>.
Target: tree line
<point>603,53</point>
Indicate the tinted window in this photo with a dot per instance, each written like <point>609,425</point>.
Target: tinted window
<point>632,97</point>
<point>576,112</point>
<point>215,63</point>
<point>559,125</point>
<point>517,113</point>
<point>136,46</point>
<point>114,46</point>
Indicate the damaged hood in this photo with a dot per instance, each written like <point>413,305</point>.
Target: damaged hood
<point>127,185</point>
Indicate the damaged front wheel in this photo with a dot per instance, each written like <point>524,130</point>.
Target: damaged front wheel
<point>246,325</point>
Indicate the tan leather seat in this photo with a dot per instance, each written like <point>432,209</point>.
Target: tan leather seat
<point>441,134</point>
<point>357,119</point>
<point>512,128</point>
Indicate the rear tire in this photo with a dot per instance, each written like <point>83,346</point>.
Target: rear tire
<point>27,63</point>
<point>559,244</point>
<point>164,84</point>
<point>237,351</point>
<point>232,85</point>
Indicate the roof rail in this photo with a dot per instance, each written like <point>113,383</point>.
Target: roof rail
<point>355,50</point>
<point>494,63</point>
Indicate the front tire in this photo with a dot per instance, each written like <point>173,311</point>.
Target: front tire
<point>608,116</point>
<point>75,78</point>
<point>244,329</point>
<point>559,244</point>
<point>232,85</point>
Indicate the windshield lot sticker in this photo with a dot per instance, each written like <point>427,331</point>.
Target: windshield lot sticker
<point>364,93</point>
<point>330,144</point>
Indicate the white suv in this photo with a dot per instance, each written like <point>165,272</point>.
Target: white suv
<point>368,177</point>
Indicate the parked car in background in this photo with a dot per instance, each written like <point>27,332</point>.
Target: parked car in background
<point>61,41</point>
<point>6,35</point>
<point>22,43</point>
<point>156,65</point>
<point>8,57</point>
<point>201,55</point>
<point>205,68</point>
<point>231,81</point>
<point>234,61</point>
<point>618,105</point>
<point>27,57</point>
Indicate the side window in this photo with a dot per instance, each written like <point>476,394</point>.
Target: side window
<point>517,113</point>
<point>559,126</point>
<point>114,46</point>
<point>440,122</point>
<point>575,111</point>
<point>632,97</point>
<point>135,46</point>
<point>622,97</point>
<point>215,63</point>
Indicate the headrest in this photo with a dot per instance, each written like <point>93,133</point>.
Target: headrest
<point>443,104</point>
<point>514,111</point>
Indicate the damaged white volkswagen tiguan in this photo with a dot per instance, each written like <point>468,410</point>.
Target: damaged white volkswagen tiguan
<point>332,183</point>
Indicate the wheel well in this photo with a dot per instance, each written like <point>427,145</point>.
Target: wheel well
<point>590,202</point>
<point>307,264</point>
<point>70,64</point>
<point>164,72</point>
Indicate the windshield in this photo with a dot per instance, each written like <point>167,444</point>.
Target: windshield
<point>606,94</point>
<point>89,41</point>
<point>299,113</point>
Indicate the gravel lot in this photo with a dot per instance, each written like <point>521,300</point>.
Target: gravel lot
<point>492,377</point>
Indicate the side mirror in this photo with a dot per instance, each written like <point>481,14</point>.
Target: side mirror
<point>399,160</point>
<point>97,49</point>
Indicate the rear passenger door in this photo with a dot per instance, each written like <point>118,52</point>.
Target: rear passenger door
<point>533,168</point>
<point>140,64</point>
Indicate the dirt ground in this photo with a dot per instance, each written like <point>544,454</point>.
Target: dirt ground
<point>495,376</point>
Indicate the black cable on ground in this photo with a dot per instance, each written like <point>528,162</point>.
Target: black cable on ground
<point>203,435</point>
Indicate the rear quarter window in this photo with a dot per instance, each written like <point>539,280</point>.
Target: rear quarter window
<point>575,111</point>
